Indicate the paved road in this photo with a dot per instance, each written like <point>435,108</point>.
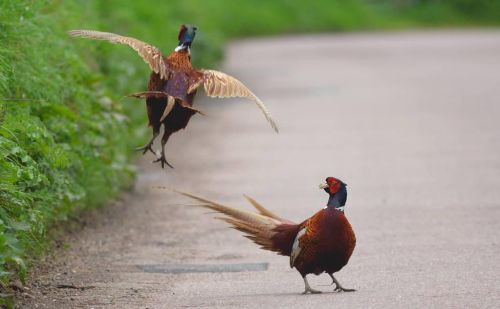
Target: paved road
<point>410,121</point>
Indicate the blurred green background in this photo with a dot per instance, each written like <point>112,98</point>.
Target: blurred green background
<point>66,133</point>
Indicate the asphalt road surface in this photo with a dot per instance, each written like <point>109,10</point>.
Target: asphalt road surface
<point>409,120</point>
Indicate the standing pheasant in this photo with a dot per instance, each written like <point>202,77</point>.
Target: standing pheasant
<point>173,84</point>
<point>322,243</point>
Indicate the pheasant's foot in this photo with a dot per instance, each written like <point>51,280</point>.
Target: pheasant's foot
<point>342,289</point>
<point>308,288</point>
<point>145,149</point>
<point>338,287</point>
<point>312,291</point>
<point>163,161</point>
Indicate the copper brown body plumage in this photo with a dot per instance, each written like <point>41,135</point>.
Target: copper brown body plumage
<point>173,84</point>
<point>326,245</point>
<point>322,243</point>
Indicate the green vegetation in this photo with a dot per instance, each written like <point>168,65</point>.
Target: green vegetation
<point>65,131</point>
<point>61,137</point>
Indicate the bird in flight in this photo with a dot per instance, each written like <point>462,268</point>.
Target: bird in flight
<point>173,84</point>
<point>322,243</point>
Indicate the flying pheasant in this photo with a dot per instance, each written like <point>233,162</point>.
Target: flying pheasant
<point>322,243</point>
<point>173,84</point>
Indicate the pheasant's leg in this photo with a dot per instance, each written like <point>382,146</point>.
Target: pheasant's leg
<point>147,147</point>
<point>164,140</point>
<point>338,286</point>
<point>308,288</point>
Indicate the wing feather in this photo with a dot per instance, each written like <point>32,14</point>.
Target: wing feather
<point>296,248</point>
<point>150,94</point>
<point>221,85</point>
<point>171,100</point>
<point>150,54</point>
<point>305,243</point>
<point>168,109</point>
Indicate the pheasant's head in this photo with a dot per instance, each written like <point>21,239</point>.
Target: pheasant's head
<point>337,190</point>
<point>186,37</point>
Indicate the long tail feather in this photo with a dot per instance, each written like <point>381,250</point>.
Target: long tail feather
<point>264,211</point>
<point>260,228</point>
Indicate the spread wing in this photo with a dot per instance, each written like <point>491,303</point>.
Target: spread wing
<point>221,85</point>
<point>151,55</point>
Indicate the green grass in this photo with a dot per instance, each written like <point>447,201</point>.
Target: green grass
<point>62,139</point>
<point>66,134</point>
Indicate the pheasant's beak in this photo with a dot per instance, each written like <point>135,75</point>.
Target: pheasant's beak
<point>323,185</point>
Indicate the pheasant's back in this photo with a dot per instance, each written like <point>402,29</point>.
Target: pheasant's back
<point>178,85</point>
<point>180,75</point>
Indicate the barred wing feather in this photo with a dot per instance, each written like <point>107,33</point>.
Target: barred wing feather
<point>150,54</point>
<point>221,85</point>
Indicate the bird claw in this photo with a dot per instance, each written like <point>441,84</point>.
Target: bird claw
<point>312,291</point>
<point>163,161</point>
<point>145,149</point>
<point>339,289</point>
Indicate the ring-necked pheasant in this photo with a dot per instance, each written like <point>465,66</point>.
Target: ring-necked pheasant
<point>173,84</point>
<point>322,243</point>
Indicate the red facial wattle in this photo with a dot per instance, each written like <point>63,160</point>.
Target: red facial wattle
<point>181,32</point>
<point>333,184</point>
